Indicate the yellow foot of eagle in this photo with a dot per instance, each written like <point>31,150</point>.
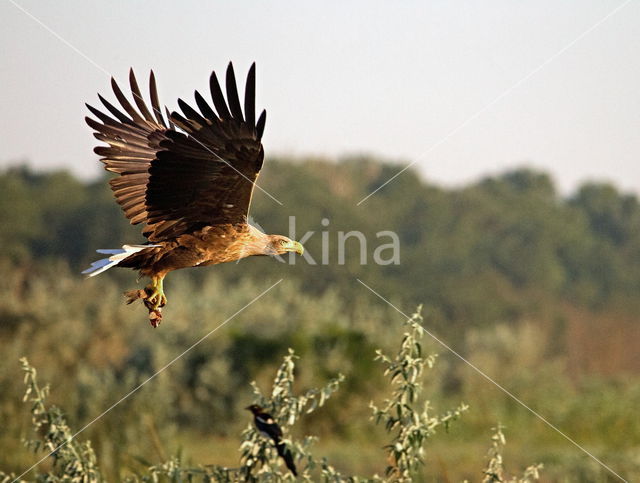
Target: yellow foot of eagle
<point>153,297</point>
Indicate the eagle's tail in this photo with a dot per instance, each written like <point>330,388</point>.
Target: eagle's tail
<point>117,255</point>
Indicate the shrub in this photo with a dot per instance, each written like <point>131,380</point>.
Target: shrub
<point>405,415</point>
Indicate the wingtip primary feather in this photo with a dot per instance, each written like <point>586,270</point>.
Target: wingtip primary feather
<point>232,94</point>
<point>218,97</point>
<point>137,97</point>
<point>204,107</point>
<point>155,103</point>
<point>92,123</point>
<point>171,124</point>
<point>192,114</point>
<point>114,110</point>
<point>260,124</point>
<point>250,97</point>
<point>124,102</point>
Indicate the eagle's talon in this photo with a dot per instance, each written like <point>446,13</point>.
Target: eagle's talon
<point>155,300</point>
<point>154,295</point>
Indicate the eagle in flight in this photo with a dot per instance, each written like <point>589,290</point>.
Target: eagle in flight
<point>188,179</point>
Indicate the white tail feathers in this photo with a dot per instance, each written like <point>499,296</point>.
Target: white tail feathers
<point>117,255</point>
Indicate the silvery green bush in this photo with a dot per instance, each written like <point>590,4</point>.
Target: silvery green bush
<point>408,418</point>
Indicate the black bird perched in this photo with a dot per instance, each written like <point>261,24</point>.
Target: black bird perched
<point>270,429</point>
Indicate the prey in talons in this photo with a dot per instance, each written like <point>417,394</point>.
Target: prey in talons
<point>153,298</point>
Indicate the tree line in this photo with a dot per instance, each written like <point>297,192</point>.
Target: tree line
<point>490,251</point>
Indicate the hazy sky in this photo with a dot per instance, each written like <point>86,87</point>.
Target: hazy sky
<point>462,88</point>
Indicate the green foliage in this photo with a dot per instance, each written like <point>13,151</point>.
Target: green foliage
<point>20,221</point>
<point>74,461</point>
<point>491,250</point>
<point>413,427</point>
<point>259,458</point>
<point>537,290</point>
<point>494,472</point>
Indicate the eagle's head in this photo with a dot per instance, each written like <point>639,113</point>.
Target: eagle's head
<point>279,245</point>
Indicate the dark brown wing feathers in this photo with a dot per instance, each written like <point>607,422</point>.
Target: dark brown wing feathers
<point>137,119</point>
<point>178,182</point>
<point>155,104</point>
<point>232,94</point>
<point>196,120</point>
<point>218,97</point>
<point>205,109</point>
<point>250,97</point>
<point>137,97</point>
<point>260,124</point>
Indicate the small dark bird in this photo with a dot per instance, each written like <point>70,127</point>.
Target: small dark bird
<point>187,179</point>
<point>270,429</point>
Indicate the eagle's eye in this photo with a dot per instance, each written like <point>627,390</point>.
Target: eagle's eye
<point>283,242</point>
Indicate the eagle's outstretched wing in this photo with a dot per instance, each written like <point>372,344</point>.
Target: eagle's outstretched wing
<point>177,182</point>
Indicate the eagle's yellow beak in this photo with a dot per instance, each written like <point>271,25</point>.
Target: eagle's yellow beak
<point>295,247</point>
